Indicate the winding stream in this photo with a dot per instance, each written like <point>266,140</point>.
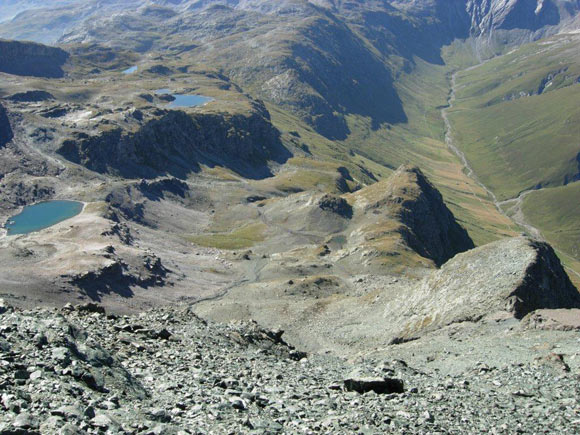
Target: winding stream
<point>517,215</point>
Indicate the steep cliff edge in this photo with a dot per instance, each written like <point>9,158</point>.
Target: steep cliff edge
<point>6,133</point>
<point>177,143</point>
<point>31,59</point>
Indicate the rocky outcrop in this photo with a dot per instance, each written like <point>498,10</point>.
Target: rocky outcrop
<point>425,223</point>
<point>335,204</point>
<point>177,143</point>
<point>30,59</point>
<point>431,229</point>
<point>31,97</point>
<point>6,133</point>
<point>130,200</point>
<point>119,274</point>
<point>555,320</point>
<point>17,193</point>
<point>516,276</point>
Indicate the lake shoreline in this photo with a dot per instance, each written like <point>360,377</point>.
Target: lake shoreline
<point>4,230</point>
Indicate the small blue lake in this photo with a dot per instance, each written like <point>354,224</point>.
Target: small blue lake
<point>42,215</point>
<point>183,100</point>
<point>131,70</point>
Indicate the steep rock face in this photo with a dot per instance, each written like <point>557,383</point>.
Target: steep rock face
<point>487,15</point>
<point>517,275</point>
<point>6,134</point>
<point>176,143</point>
<point>30,59</point>
<point>433,230</point>
<point>426,224</point>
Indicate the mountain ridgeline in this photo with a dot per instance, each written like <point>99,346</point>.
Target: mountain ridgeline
<point>326,59</point>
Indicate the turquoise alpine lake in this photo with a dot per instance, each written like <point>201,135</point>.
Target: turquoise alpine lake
<point>130,70</point>
<point>42,215</point>
<point>183,100</point>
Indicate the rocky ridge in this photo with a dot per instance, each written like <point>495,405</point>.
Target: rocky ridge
<point>515,276</point>
<point>427,226</point>
<point>175,142</point>
<point>30,59</point>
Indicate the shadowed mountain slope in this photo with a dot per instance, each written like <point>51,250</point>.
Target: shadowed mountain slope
<point>6,134</point>
<point>428,227</point>
<point>30,59</point>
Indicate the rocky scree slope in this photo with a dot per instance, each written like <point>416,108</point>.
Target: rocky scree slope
<point>79,370</point>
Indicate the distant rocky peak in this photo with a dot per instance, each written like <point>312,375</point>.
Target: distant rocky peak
<point>488,15</point>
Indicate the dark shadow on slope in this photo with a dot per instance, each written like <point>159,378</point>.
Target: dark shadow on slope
<point>524,16</point>
<point>119,277</point>
<point>178,143</point>
<point>396,34</point>
<point>6,133</point>
<point>107,281</point>
<point>348,76</point>
<point>31,59</point>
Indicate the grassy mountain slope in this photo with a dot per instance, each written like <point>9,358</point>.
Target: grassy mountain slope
<point>517,119</point>
<point>556,211</point>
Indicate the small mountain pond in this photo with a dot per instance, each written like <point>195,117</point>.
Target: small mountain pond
<point>42,215</point>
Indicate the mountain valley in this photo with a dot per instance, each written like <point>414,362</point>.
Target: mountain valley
<point>391,185</point>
